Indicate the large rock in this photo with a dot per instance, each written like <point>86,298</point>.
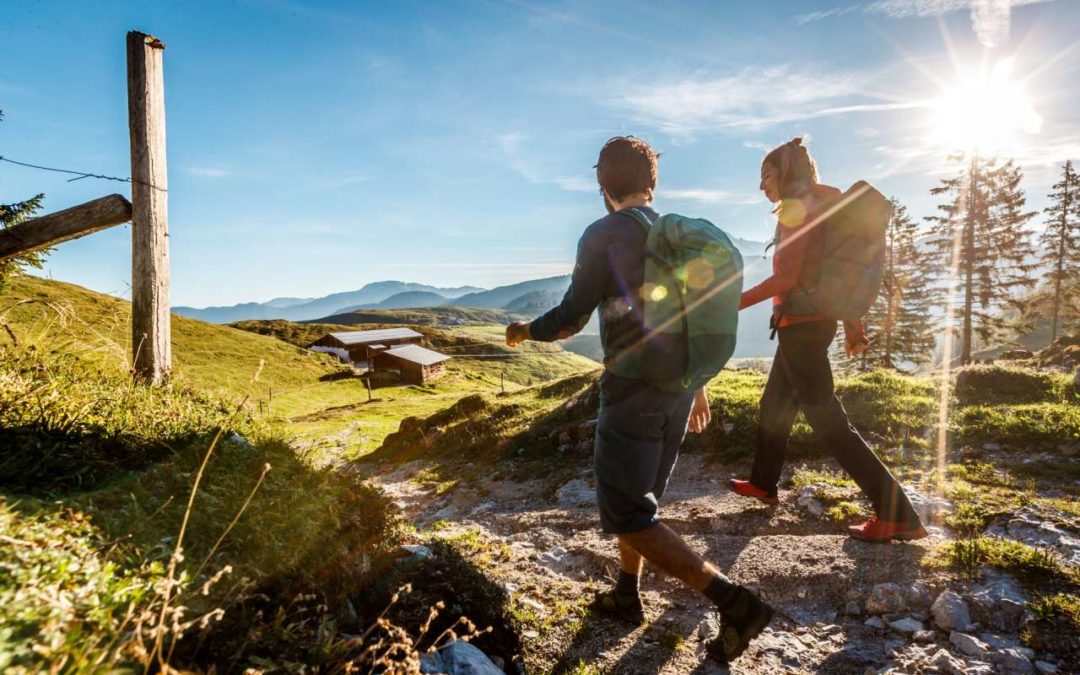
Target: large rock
<point>458,658</point>
<point>950,612</point>
<point>885,598</point>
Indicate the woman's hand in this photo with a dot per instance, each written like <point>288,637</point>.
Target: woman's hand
<point>855,340</point>
<point>700,415</point>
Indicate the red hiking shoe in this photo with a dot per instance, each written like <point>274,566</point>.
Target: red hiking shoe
<point>882,531</point>
<point>748,489</point>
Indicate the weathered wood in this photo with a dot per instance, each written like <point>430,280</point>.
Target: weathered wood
<point>78,221</point>
<point>150,322</point>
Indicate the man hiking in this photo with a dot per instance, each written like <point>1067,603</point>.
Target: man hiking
<point>801,377</point>
<point>640,427</point>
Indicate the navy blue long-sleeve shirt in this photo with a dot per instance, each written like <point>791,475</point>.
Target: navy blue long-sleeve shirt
<point>608,274</point>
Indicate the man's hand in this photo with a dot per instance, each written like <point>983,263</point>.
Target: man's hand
<point>516,333</point>
<point>700,415</point>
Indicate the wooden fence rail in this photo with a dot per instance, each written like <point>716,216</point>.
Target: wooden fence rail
<point>55,228</point>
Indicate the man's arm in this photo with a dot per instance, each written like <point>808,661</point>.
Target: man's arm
<point>570,316</point>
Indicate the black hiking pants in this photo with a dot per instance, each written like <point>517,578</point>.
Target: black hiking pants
<point>801,379</point>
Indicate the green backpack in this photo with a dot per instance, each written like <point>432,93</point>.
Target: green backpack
<point>693,282</point>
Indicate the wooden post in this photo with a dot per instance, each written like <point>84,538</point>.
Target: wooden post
<point>150,324</point>
<point>55,228</point>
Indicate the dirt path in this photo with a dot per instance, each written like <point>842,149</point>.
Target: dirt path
<point>556,556</point>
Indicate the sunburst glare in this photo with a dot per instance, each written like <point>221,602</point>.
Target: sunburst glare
<point>986,112</point>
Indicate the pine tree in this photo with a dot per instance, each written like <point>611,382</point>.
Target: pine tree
<point>13,214</point>
<point>987,248</point>
<point>1061,250</point>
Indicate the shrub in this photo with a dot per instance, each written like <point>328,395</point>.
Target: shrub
<point>995,385</point>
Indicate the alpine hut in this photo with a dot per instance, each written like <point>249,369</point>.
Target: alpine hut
<point>361,346</point>
<point>416,364</point>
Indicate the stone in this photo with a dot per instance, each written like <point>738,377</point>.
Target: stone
<point>875,622</point>
<point>1045,668</point>
<point>907,625</point>
<point>950,612</point>
<point>576,492</point>
<point>996,641</point>
<point>1011,661</point>
<point>1012,614</point>
<point>947,663</point>
<point>458,658</point>
<point>917,595</point>
<point>991,447</point>
<point>852,608</point>
<point>969,644</point>
<point>923,636</point>
<point>931,509</point>
<point>417,551</point>
<point>815,507</point>
<point>885,598</point>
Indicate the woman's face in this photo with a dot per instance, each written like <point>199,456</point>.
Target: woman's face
<point>769,183</point>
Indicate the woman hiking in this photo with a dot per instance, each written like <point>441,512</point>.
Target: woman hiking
<point>801,376</point>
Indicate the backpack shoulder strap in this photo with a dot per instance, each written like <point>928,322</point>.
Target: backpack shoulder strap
<point>638,216</point>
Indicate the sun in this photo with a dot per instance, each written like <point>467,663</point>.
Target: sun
<point>987,111</point>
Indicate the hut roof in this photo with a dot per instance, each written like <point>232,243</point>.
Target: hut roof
<point>417,354</point>
<point>363,337</point>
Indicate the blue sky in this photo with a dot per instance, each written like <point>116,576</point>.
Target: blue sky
<point>317,146</point>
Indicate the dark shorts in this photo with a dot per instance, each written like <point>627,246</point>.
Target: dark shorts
<point>638,436</point>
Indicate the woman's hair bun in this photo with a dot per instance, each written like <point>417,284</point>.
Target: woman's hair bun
<point>797,141</point>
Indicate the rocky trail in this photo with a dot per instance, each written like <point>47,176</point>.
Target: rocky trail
<point>846,606</point>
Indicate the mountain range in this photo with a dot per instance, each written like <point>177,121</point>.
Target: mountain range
<point>529,298</point>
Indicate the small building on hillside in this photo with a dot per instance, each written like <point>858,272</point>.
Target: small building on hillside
<point>414,363</point>
<point>361,346</point>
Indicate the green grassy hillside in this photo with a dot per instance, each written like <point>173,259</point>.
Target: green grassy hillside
<point>96,327</point>
<point>425,316</point>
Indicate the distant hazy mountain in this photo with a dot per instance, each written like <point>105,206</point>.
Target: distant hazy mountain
<point>286,302</point>
<point>409,300</point>
<point>500,297</point>
<point>313,309</point>
<point>534,301</point>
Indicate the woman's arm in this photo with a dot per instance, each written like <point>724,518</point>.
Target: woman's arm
<point>790,253</point>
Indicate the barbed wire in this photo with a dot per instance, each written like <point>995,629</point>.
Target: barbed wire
<point>79,175</point>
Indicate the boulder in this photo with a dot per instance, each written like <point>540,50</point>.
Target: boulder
<point>1045,668</point>
<point>885,598</point>
<point>875,622</point>
<point>950,612</point>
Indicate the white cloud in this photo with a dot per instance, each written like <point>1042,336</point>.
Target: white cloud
<point>711,196</point>
<point>752,98</point>
<point>207,171</point>
<point>990,19</point>
<point>867,132</point>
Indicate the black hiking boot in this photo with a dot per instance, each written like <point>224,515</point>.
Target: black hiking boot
<point>625,607</point>
<point>739,627</point>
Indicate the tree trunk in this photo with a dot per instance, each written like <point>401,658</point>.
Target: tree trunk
<point>969,267</point>
<point>1060,261</point>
